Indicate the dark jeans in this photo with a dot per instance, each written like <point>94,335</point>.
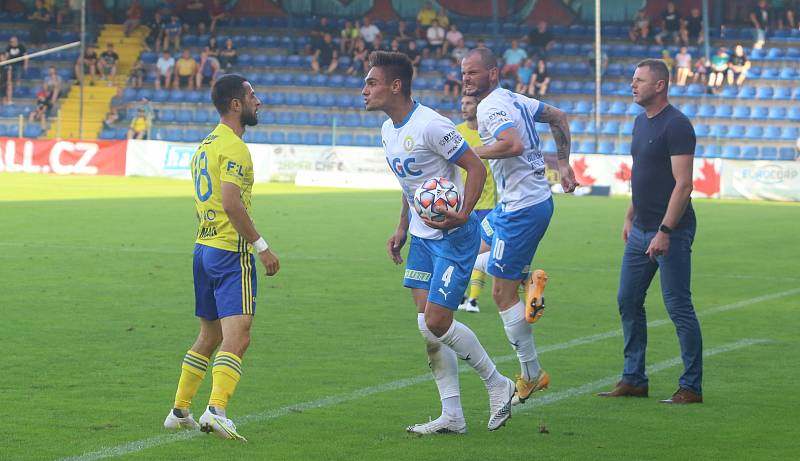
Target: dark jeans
<point>635,277</point>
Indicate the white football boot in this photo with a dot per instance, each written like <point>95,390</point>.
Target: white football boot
<point>176,423</point>
<point>444,424</point>
<point>500,404</point>
<point>219,425</point>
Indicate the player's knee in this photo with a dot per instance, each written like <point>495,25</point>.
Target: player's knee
<point>438,325</point>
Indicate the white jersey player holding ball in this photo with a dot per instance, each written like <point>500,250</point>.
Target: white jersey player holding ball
<point>421,144</point>
<point>517,224</point>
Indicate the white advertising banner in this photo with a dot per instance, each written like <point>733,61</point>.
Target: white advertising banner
<point>285,161</point>
<point>761,180</point>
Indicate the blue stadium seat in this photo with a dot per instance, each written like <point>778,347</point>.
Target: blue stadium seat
<point>284,79</point>
<point>730,152</point>
<point>618,108</point>
<point>705,110</point>
<point>363,140</point>
<point>735,131</point>
<point>293,99</point>
<point>747,92</point>
<point>351,120</point>
<point>754,132</point>
<point>166,115</point>
<point>790,133</point>
<point>32,130</point>
<point>787,153</point>
<point>301,119</point>
<point>173,134</point>
<point>326,139</point>
<point>794,114</point>
<point>549,146</point>
<point>354,82</point>
<point>583,107</point>
<point>195,96</point>
<point>749,153</point>
<point>772,132</point>
<point>320,119</point>
<point>199,116</point>
<point>176,96</point>
<point>577,126</point>
<point>759,113</point>
<point>610,128</point>
<point>782,93</point>
<point>187,136</point>
<point>623,148</point>
<point>161,95</point>
<point>768,153</point>
<point>344,139</point>
<point>294,137</point>
<point>183,116</point>
<point>345,100</point>
<point>309,99</point>
<point>764,92</point>
<point>105,134</point>
<point>311,138</point>
<point>701,130</point>
<point>277,137</point>
<point>587,147</point>
<point>276,99</point>
<point>741,112</point>
<point>606,147</point>
<point>627,128</point>
<point>258,137</point>
<point>336,81</point>
<point>284,118</point>
<point>634,109</point>
<point>263,60</point>
<point>690,110</point>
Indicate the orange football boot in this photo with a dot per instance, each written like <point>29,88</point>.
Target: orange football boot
<point>534,296</point>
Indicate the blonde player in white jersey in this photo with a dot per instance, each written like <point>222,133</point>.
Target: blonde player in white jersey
<point>517,224</point>
<point>421,144</point>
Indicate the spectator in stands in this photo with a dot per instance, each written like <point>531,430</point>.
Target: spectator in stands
<point>760,17</point>
<point>452,37</point>
<point>513,58</point>
<point>172,33</point>
<point>318,34</point>
<point>452,80</point>
<point>719,69</point>
<point>325,56</point>
<point>603,62</point>
<point>414,55</point>
<point>402,34</point>
<point>540,80</point>
<point>42,109</point>
<point>459,51</point>
<point>212,45</point>
<point>207,70</point>
<point>118,106</point>
<point>156,35</point>
<point>185,70</point>
<point>670,25</point>
<point>138,128</point>
<point>376,44</point>
<point>5,80</point>
<point>16,49</point>
<point>738,65</point>
<point>540,41</point>
<point>167,8</point>
<point>217,13</point>
<point>394,46</point>
<point>107,65</point>
<point>348,37</point>
<point>792,10</point>
<point>53,85</point>
<point>228,56</point>
<point>435,36</point>
<point>40,21</point>
<point>368,31</point>
<point>195,13</point>
<point>692,28</point>
<point>165,69</point>
<point>360,57</point>
<point>701,66</point>
<point>138,74</point>
<point>134,17</point>
<point>523,77</point>
<point>640,30</point>
<point>89,65</point>
<point>668,61</point>
<point>425,17</point>
<point>441,16</point>
<point>683,66</point>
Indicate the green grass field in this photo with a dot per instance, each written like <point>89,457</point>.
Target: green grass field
<point>97,309</point>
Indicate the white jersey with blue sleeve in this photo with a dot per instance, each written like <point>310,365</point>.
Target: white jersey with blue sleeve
<point>422,146</point>
<point>520,180</point>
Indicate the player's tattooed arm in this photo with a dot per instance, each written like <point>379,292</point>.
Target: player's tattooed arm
<point>559,126</point>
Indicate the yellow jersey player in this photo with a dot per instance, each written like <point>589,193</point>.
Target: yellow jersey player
<point>487,202</point>
<point>224,279</point>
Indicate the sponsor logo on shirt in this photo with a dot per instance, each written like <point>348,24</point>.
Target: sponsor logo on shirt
<point>408,143</point>
<point>417,275</point>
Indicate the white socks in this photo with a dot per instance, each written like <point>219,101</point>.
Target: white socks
<point>464,342</point>
<point>518,331</point>
<point>444,366</point>
<point>482,262</point>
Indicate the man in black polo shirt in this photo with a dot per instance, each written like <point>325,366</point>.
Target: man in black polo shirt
<point>671,25</point>
<point>658,232</point>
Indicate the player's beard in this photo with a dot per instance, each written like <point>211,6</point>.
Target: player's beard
<point>249,118</point>
<point>479,89</point>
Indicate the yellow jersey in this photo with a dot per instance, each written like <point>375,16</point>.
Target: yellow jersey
<point>139,124</point>
<point>488,198</point>
<point>426,16</point>
<point>222,156</point>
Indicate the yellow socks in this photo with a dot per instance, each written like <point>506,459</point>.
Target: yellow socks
<point>193,370</point>
<point>476,284</point>
<point>226,373</point>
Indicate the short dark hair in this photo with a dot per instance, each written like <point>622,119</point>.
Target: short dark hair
<point>396,66</point>
<point>658,67</point>
<point>227,88</point>
<point>488,59</point>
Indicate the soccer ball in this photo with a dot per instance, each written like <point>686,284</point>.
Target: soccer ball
<point>436,192</point>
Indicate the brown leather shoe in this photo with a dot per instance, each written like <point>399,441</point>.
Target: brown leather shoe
<point>684,396</point>
<point>625,390</point>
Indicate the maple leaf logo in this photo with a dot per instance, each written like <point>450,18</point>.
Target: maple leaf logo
<point>624,172</point>
<point>708,184</point>
<point>579,167</point>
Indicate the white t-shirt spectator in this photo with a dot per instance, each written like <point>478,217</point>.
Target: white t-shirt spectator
<point>435,35</point>
<point>683,60</point>
<point>453,36</point>
<point>368,33</point>
<point>514,56</point>
<point>165,65</point>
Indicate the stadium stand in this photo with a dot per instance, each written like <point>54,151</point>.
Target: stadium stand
<point>758,120</point>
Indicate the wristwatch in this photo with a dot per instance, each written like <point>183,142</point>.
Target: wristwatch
<point>665,229</point>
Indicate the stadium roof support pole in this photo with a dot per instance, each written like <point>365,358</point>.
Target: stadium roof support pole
<point>598,69</point>
<point>495,20</point>
<point>706,46</point>
<point>80,66</point>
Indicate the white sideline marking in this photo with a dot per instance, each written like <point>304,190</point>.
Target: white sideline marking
<point>548,398</point>
<point>142,444</point>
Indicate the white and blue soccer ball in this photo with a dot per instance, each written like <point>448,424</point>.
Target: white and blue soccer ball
<point>436,193</point>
